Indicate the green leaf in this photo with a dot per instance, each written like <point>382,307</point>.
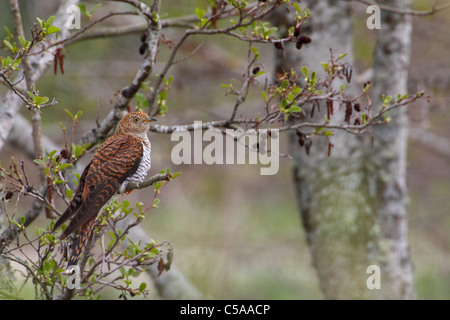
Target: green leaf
<point>52,29</point>
<point>305,71</point>
<point>142,286</point>
<point>341,56</point>
<point>83,10</point>
<point>168,81</point>
<point>41,22</point>
<point>363,118</point>
<point>155,16</point>
<point>386,99</point>
<point>163,95</point>
<point>139,206</point>
<point>16,223</point>
<point>296,90</point>
<point>10,36</point>
<point>290,97</point>
<point>49,20</point>
<point>132,251</point>
<point>297,7</point>
<point>255,51</point>
<point>8,44</point>
<point>58,180</point>
<point>401,97</point>
<point>78,115</point>
<point>51,153</point>
<point>69,113</point>
<point>141,100</point>
<point>64,165</point>
<point>200,13</point>
<point>158,185</point>
<point>328,133</point>
<point>78,151</point>
<point>50,237</point>
<point>295,109</point>
<point>39,162</point>
<point>69,193</point>
<point>39,231</point>
<point>259,73</point>
<point>264,95</point>
<point>91,12</point>
<point>176,175</point>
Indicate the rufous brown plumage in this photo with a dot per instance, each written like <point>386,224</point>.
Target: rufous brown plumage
<point>122,158</point>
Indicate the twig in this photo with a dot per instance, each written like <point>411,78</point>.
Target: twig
<point>148,182</point>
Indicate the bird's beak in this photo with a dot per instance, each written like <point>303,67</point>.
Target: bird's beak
<point>150,120</point>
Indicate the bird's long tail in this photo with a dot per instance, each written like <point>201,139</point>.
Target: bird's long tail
<point>80,246</point>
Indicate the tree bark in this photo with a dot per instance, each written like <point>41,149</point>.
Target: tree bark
<point>353,202</point>
<point>388,155</point>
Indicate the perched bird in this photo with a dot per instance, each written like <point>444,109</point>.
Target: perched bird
<point>121,159</point>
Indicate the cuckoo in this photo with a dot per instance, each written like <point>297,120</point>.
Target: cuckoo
<point>121,159</point>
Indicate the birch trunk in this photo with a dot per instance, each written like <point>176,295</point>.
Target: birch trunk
<point>388,156</point>
<point>353,203</point>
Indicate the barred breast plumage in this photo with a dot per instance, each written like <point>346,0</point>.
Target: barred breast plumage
<point>144,166</point>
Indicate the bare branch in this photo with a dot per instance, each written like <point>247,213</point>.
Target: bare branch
<point>148,182</point>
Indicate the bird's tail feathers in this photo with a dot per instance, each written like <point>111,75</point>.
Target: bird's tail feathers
<point>80,246</point>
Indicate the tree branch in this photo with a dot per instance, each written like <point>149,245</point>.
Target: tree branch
<point>11,102</point>
<point>148,182</point>
<point>127,93</point>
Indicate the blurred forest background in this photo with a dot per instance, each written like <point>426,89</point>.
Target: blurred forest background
<point>238,234</point>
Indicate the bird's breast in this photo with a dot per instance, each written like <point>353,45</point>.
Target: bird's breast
<point>144,166</point>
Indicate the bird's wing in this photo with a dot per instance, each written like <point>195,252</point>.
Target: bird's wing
<point>116,160</point>
<point>106,151</point>
<point>75,204</point>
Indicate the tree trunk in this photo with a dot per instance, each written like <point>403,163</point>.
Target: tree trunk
<point>353,202</point>
<point>388,155</point>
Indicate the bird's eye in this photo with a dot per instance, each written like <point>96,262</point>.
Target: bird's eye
<point>136,119</point>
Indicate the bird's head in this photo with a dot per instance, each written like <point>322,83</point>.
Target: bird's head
<point>136,123</point>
